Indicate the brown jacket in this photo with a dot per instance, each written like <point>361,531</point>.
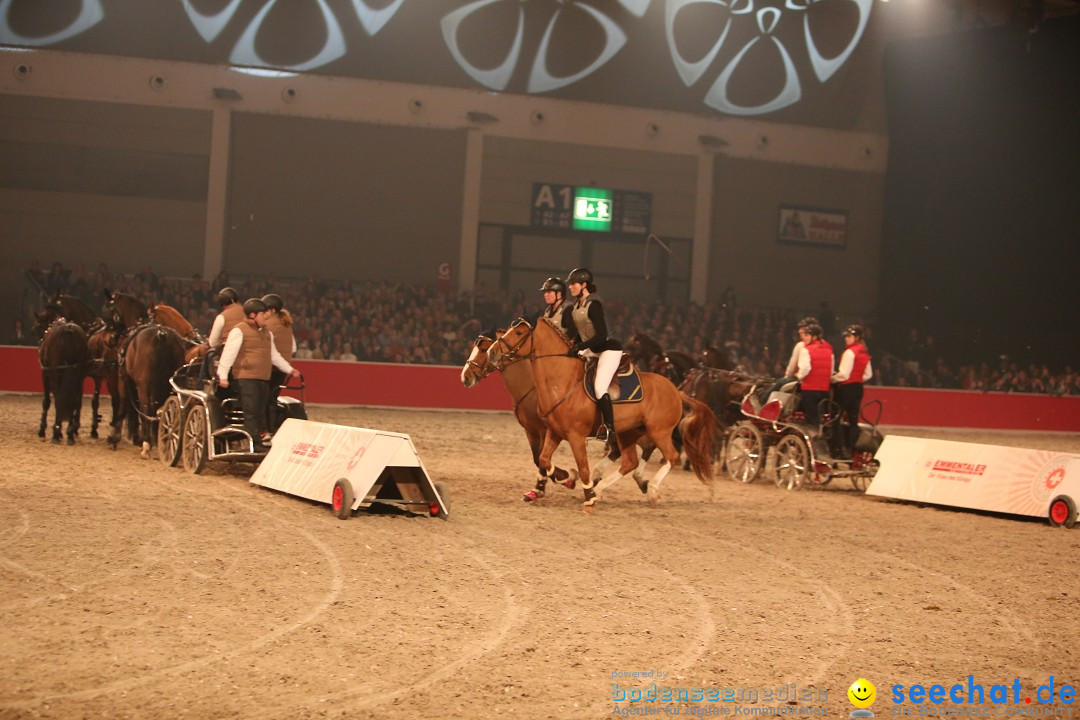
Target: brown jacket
<point>253,360</point>
<point>283,336</point>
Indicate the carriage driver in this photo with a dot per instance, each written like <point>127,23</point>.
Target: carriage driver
<point>231,315</point>
<point>852,372</point>
<point>249,349</point>
<point>586,325</point>
<point>279,323</point>
<point>814,371</point>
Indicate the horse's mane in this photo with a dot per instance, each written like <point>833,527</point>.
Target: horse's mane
<point>558,330</point>
<point>169,316</point>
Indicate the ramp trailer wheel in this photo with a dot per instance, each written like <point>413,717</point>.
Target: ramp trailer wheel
<point>1062,511</point>
<point>195,448</point>
<point>441,510</point>
<point>170,427</point>
<point>745,452</point>
<point>342,499</point>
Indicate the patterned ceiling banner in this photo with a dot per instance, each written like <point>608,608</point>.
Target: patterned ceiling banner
<point>734,57</point>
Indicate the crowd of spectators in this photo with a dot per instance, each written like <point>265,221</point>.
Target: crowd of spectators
<point>379,321</point>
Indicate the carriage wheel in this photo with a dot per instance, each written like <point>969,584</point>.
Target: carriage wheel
<point>194,448</point>
<point>861,482</point>
<point>342,499</point>
<point>170,426</point>
<point>1062,511</point>
<point>792,461</point>
<point>443,508</point>
<point>745,452</point>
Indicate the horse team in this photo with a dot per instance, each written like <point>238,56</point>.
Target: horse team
<point>130,347</point>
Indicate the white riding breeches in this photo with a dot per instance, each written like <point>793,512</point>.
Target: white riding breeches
<point>607,363</point>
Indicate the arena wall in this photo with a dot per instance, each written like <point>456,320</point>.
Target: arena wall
<point>439,387</point>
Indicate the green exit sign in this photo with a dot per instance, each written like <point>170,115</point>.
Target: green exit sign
<point>592,209</point>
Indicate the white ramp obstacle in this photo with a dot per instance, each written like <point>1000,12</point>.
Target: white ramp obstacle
<point>1038,483</point>
<point>350,468</point>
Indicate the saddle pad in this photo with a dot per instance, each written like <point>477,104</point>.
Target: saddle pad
<point>630,390</point>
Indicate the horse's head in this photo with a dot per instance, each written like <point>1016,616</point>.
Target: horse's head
<point>642,348</point>
<point>46,317</point>
<point>714,357</point>
<point>478,367</point>
<point>515,343</point>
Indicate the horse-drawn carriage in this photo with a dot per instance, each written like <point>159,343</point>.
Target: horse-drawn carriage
<point>804,455</point>
<point>200,422</point>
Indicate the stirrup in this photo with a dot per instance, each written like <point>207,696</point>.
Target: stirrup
<point>602,433</point>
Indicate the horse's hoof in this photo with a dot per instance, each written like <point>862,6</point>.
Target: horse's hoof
<point>531,496</point>
<point>587,509</point>
<point>56,441</point>
<point>41,433</point>
<point>71,441</point>
<point>654,500</point>
<point>94,434</point>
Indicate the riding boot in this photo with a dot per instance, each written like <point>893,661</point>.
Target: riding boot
<point>608,415</point>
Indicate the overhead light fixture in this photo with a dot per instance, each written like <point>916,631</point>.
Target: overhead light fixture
<point>712,141</point>
<point>483,118</point>
<point>221,93</point>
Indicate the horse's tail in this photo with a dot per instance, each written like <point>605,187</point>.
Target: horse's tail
<point>700,430</point>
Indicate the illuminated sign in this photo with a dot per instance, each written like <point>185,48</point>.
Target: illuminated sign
<point>590,208</point>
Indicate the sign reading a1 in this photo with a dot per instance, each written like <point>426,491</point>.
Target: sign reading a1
<point>592,209</point>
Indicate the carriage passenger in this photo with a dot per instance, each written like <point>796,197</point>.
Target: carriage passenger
<point>854,370</point>
<point>815,368</point>
<point>790,372</point>
<point>586,325</point>
<point>279,322</point>
<point>249,350</point>
<point>231,315</point>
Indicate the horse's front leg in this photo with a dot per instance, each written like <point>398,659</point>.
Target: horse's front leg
<point>45,401</point>
<point>145,428</point>
<point>94,403</point>
<point>627,464</point>
<point>581,457</point>
<point>544,466</point>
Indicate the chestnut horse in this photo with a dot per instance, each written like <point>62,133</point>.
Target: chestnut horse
<point>64,357</point>
<point>572,416</point>
<point>518,378</point>
<point>170,317</point>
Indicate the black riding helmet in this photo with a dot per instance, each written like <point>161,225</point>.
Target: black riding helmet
<point>555,284</point>
<point>254,305</point>
<point>227,296</point>
<point>273,301</point>
<point>855,330</point>
<point>582,275</point>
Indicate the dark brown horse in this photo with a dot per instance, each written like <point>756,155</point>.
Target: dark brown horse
<point>123,312</point>
<point>648,355</point>
<point>64,357</point>
<point>570,414</point>
<point>104,353</point>
<point>148,358</point>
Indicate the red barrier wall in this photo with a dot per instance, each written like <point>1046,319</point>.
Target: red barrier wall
<point>430,386</point>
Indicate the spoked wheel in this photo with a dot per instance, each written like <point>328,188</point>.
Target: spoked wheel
<point>342,499</point>
<point>792,461</point>
<point>194,449</point>
<point>1062,511</point>
<point>861,482</point>
<point>745,452</point>
<point>170,427</point>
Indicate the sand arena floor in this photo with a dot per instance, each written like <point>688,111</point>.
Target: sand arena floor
<point>128,589</point>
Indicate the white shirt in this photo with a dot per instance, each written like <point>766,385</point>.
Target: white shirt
<point>793,363</point>
<point>232,349</point>
<point>847,364</point>
<point>215,331</point>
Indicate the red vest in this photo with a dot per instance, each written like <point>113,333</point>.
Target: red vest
<point>821,358</point>
<point>859,366</point>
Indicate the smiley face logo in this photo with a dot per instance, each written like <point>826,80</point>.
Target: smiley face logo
<point>862,695</point>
